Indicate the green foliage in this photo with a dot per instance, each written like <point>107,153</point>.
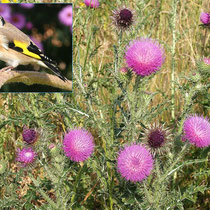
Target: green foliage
<point>116,108</point>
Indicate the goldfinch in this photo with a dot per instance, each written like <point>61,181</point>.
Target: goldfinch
<point>16,48</point>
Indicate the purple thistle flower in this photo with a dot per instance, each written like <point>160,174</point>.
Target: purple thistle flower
<point>206,61</point>
<point>29,25</point>
<point>92,3</point>
<point>65,15</point>
<point>157,138</point>
<point>197,130</point>
<point>5,11</point>
<point>78,144</point>
<point>29,135</point>
<point>27,5</point>
<point>205,18</point>
<point>134,163</point>
<point>18,20</point>
<point>144,56</point>
<point>26,156</point>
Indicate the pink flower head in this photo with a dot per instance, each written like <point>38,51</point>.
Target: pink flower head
<point>18,20</point>
<point>205,18</point>
<point>27,5</point>
<point>78,144</point>
<point>26,156</point>
<point>92,3</point>
<point>29,25</point>
<point>144,56</point>
<point>206,61</point>
<point>65,15</point>
<point>5,11</point>
<point>134,163</point>
<point>197,131</point>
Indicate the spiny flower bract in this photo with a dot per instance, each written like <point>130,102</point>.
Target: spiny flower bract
<point>123,18</point>
<point>203,66</point>
<point>197,130</point>
<point>78,144</point>
<point>144,56</point>
<point>29,135</point>
<point>134,163</point>
<point>156,137</point>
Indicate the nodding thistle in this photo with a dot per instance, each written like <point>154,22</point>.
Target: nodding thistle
<point>123,18</point>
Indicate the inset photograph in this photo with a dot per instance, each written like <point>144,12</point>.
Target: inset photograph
<point>36,47</point>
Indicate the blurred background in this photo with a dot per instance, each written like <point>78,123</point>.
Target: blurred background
<point>50,27</point>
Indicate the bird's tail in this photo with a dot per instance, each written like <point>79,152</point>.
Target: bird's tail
<point>53,67</point>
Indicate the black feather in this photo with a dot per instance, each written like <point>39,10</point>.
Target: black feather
<point>55,69</point>
<point>47,61</point>
<point>12,46</point>
<point>33,48</point>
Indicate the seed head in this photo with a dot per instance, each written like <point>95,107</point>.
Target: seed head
<point>123,18</point>
<point>29,135</point>
<point>157,138</point>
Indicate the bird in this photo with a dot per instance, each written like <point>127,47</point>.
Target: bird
<point>16,48</point>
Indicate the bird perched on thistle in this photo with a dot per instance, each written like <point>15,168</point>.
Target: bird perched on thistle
<point>16,48</point>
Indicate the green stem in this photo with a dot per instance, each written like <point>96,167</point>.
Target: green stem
<point>170,170</point>
<point>134,103</point>
<point>187,106</point>
<point>76,184</point>
<point>45,196</point>
<point>204,40</point>
<point>174,17</point>
<point>87,51</point>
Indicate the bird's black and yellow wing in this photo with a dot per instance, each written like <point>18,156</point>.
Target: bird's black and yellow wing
<point>15,39</point>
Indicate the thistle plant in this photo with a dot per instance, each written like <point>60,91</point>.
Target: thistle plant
<point>113,143</point>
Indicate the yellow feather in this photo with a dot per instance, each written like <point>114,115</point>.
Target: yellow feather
<point>24,46</point>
